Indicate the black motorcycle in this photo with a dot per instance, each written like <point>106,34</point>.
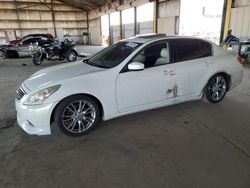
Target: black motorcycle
<point>53,52</point>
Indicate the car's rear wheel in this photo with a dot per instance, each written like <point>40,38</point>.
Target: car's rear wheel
<point>216,88</point>
<point>77,115</point>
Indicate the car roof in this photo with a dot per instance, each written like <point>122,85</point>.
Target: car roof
<point>154,37</point>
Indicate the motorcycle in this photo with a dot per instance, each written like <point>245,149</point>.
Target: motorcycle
<point>244,51</point>
<point>53,52</point>
<point>243,46</point>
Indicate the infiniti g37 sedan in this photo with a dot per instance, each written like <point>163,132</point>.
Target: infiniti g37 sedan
<point>132,75</point>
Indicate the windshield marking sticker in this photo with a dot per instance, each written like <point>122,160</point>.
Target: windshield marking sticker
<point>131,44</point>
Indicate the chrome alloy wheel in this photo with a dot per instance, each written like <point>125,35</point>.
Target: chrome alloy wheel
<point>217,88</point>
<point>78,116</point>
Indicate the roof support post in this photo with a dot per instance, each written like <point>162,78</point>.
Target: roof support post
<point>156,15</point>
<point>135,21</point>
<point>121,28</point>
<point>87,15</point>
<point>110,40</point>
<point>225,19</point>
<point>53,17</point>
<point>18,19</point>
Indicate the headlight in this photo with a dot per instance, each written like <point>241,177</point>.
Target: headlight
<point>41,96</point>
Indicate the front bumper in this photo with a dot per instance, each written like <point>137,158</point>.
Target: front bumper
<point>35,120</point>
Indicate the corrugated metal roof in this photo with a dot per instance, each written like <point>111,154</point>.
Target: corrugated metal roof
<point>86,5</point>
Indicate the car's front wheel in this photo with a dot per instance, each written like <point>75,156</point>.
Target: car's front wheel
<point>216,88</point>
<point>77,115</point>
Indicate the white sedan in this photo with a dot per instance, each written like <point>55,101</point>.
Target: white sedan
<point>133,75</point>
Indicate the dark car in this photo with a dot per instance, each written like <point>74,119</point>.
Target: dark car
<point>15,42</point>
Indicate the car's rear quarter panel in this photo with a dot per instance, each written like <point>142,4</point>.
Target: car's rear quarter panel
<point>227,61</point>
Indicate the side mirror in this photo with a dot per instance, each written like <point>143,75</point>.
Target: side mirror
<point>85,59</point>
<point>136,66</point>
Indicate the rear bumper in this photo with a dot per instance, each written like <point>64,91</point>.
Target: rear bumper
<point>34,120</point>
<point>236,78</point>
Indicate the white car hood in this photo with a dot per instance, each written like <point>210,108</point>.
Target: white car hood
<point>55,75</point>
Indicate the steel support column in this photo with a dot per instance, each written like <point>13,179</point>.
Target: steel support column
<point>156,15</point>
<point>225,19</point>
<point>135,21</point>
<point>53,17</point>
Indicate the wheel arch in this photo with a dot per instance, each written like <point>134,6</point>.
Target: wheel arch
<point>85,94</point>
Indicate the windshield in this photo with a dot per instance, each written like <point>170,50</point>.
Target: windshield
<point>113,55</point>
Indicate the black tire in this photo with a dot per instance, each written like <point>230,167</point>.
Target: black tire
<point>37,59</point>
<point>68,118</point>
<point>216,88</point>
<point>247,59</point>
<point>11,54</point>
<point>71,55</point>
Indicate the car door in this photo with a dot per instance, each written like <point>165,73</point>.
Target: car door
<point>149,87</point>
<point>23,47</point>
<point>191,59</point>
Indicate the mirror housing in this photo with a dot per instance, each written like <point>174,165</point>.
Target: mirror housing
<point>136,66</point>
<point>85,59</point>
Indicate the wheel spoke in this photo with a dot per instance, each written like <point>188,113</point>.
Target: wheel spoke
<point>89,118</point>
<point>67,116</point>
<point>66,120</point>
<point>79,124</point>
<point>217,95</point>
<point>73,107</point>
<point>84,104</point>
<point>89,108</point>
<point>68,108</point>
<point>74,124</point>
<point>218,79</point>
<point>80,106</point>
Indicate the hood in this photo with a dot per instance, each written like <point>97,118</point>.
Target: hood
<point>56,74</point>
<point>14,42</point>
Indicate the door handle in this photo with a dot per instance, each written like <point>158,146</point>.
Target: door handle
<point>207,63</point>
<point>168,72</point>
<point>171,73</point>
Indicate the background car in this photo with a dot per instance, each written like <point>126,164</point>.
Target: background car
<point>14,42</point>
<point>21,49</point>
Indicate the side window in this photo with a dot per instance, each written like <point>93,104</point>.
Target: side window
<point>188,49</point>
<point>32,40</point>
<point>206,49</point>
<point>153,55</point>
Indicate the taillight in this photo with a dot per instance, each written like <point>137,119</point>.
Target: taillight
<point>240,60</point>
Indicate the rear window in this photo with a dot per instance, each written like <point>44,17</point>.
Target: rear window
<point>188,49</point>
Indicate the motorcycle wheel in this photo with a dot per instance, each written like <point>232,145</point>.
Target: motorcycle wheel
<point>246,59</point>
<point>37,59</point>
<point>71,56</point>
